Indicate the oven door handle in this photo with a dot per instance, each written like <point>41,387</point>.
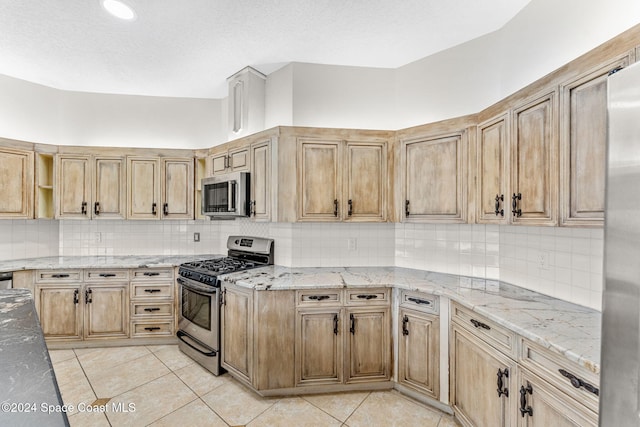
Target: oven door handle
<point>196,287</point>
<point>181,335</point>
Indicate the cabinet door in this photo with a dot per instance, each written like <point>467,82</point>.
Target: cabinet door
<point>261,181</point>
<point>74,187</point>
<point>177,189</point>
<point>474,374</point>
<point>534,162</point>
<point>237,331</point>
<point>109,191</point>
<point>219,163</point>
<point>319,180</point>
<point>419,352</point>
<point>583,139</point>
<point>143,188</point>
<point>106,311</point>
<point>319,353</point>
<point>60,311</point>
<point>368,344</point>
<point>493,144</point>
<point>366,182</point>
<point>549,406</point>
<point>16,191</point>
<point>239,160</point>
<point>434,180</point>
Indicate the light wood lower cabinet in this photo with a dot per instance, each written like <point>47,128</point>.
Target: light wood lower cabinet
<point>152,307</point>
<point>368,344</point>
<point>237,331</point>
<point>106,311</point>
<point>61,315</point>
<point>419,351</point>
<point>319,346</point>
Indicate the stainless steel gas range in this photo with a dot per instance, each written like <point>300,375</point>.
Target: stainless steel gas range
<point>199,322</point>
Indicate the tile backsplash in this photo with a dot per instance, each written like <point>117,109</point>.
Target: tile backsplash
<point>561,262</point>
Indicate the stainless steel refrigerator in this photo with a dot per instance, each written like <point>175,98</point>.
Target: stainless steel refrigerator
<point>619,394</point>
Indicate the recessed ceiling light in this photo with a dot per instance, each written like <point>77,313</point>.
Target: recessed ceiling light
<point>119,9</point>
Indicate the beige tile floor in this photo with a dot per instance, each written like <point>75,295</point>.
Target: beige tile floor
<point>159,386</point>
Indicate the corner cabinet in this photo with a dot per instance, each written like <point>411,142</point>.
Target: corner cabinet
<point>340,180</point>
<point>16,191</point>
<point>434,177</point>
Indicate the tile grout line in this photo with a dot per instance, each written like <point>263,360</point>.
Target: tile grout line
<point>348,416</point>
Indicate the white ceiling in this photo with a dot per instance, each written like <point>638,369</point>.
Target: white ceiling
<point>188,48</point>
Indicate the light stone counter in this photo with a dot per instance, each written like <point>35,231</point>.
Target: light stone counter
<point>124,261</point>
<point>567,328</point>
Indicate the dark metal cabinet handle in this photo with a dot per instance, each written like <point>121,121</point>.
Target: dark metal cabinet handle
<point>84,208</point>
<point>88,296</point>
<point>151,291</point>
<point>615,70</point>
<point>252,208</point>
<point>318,297</point>
<point>406,208</point>
<point>76,293</point>
<point>350,212</point>
<point>419,301</point>
<point>335,207</point>
<point>150,273</point>
<point>165,209</point>
<point>335,324</point>
<point>96,208</point>
<point>151,309</point>
<point>107,275</point>
<point>498,211</point>
<point>367,296</point>
<point>152,328</point>
<point>501,389</point>
<point>478,324</point>
<point>223,298</point>
<point>154,207</point>
<point>514,204</point>
<point>578,382</point>
<point>524,409</point>
<point>352,329</point>
<point>405,322</point>
<point>59,276</point>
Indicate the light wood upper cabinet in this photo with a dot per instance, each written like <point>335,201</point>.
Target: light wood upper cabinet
<point>237,331</point>
<point>434,178</point>
<point>74,186</point>
<point>106,311</point>
<point>583,138</point>
<point>319,179</point>
<point>16,176</point>
<point>366,181</point>
<point>493,204</point>
<point>225,160</point>
<point>177,188</point>
<point>534,162</point>
<point>109,194</point>
<point>260,154</point>
<point>143,188</point>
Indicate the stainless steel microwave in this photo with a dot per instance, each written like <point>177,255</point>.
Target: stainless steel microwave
<point>226,196</point>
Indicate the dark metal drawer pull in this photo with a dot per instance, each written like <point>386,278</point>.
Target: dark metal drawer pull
<point>151,291</point>
<point>152,309</point>
<point>577,382</point>
<point>480,324</point>
<point>419,301</point>
<point>154,328</point>
<point>59,276</point>
<point>524,409</point>
<point>368,296</point>
<point>148,274</point>
<point>107,275</point>
<point>318,297</point>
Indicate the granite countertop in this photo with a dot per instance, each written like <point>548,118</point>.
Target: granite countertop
<point>29,393</point>
<point>121,261</point>
<point>569,329</point>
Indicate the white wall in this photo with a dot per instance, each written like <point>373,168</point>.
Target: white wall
<point>279,98</point>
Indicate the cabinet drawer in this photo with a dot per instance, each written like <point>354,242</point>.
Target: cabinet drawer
<point>493,334</point>
<point>106,275</point>
<point>152,274</point>
<point>150,309</point>
<point>573,379</point>
<point>151,290</point>
<point>152,328</point>
<point>420,302</point>
<point>55,276</point>
<point>317,297</point>
<point>367,296</point>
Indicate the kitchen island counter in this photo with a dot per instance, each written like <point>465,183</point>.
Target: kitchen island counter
<point>29,394</point>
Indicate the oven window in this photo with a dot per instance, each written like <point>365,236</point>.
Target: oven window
<point>196,308</point>
<point>217,197</point>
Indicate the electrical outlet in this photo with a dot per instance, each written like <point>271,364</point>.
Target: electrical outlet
<point>196,237</point>
<point>543,260</point>
<point>352,244</point>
